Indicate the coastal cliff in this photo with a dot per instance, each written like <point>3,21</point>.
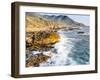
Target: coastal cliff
<point>41,35</point>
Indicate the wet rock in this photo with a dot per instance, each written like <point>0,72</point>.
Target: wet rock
<point>36,60</point>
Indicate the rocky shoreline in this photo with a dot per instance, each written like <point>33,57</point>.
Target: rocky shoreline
<point>39,41</point>
<point>41,35</point>
<point>34,61</point>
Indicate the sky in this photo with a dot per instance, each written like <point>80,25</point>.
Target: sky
<point>80,18</point>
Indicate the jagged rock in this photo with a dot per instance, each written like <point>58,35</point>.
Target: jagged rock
<point>36,60</point>
<point>39,41</point>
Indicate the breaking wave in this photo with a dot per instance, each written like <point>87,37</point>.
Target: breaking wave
<point>72,49</point>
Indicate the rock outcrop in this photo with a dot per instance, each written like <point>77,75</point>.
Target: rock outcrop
<point>35,61</point>
<point>41,40</point>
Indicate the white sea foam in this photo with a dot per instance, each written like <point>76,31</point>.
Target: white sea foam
<point>60,58</point>
<point>70,43</point>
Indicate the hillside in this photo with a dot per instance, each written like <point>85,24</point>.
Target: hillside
<point>49,22</point>
<point>34,23</point>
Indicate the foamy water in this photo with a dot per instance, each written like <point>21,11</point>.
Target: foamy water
<point>72,49</point>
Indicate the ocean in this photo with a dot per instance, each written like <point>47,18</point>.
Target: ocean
<point>72,48</point>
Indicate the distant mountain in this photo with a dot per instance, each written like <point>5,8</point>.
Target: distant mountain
<point>37,22</point>
<point>63,18</point>
<point>59,17</point>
